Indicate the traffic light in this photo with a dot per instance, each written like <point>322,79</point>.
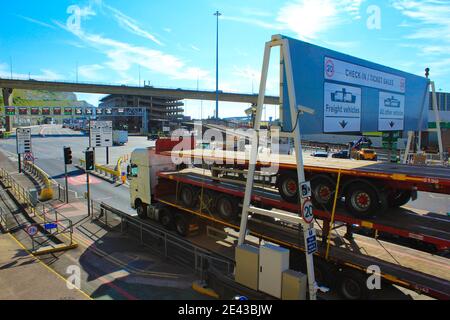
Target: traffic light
<point>89,160</point>
<point>67,155</point>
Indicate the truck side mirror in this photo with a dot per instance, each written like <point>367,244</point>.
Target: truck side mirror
<point>128,171</point>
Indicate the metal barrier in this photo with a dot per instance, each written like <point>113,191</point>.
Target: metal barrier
<point>53,229</point>
<point>48,215</point>
<point>428,159</point>
<point>47,191</point>
<point>115,175</point>
<point>161,241</point>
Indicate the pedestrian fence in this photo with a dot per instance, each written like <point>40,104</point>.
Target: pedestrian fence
<point>161,241</point>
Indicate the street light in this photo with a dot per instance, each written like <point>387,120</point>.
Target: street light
<point>217,14</point>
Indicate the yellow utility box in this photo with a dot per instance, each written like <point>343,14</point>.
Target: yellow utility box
<point>294,285</point>
<point>247,265</point>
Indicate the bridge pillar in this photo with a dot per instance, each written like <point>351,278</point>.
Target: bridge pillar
<point>7,101</point>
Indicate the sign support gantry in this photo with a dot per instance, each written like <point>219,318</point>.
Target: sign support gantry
<point>306,221</point>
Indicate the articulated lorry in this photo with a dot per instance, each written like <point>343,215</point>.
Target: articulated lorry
<point>186,200</point>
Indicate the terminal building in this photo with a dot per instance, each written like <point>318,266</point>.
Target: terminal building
<point>429,139</point>
<point>141,114</point>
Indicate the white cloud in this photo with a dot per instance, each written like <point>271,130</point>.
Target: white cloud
<point>431,22</point>
<point>91,72</point>
<point>306,18</point>
<point>131,25</point>
<point>36,22</point>
<point>432,16</point>
<point>309,18</point>
<point>123,56</point>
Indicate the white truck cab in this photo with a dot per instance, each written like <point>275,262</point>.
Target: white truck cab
<point>142,175</point>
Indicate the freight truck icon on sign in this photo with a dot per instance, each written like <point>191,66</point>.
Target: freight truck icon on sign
<point>342,109</point>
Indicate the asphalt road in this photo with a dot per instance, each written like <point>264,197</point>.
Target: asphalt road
<point>48,153</point>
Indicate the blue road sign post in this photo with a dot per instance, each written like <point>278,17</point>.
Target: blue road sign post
<point>352,95</point>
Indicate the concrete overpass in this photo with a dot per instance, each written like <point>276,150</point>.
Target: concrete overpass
<point>130,90</point>
<point>8,85</point>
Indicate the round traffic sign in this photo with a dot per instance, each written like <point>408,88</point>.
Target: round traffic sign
<point>32,231</point>
<point>307,211</point>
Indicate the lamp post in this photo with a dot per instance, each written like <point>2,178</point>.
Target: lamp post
<point>217,14</point>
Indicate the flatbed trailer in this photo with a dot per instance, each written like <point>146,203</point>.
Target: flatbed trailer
<point>348,260</point>
<point>368,187</point>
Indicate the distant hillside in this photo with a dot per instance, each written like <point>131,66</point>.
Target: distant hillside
<point>38,98</point>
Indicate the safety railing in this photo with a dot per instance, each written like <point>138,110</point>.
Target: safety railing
<point>22,196</point>
<point>162,241</point>
<point>61,229</point>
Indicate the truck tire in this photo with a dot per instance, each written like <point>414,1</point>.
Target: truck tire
<point>188,196</point>
<point>352,285</point>
<point>399,198</point>
<point>182,224</point>
<point>287,184</point>
<point>141,209</point>
<point>166,219</point>
<point>322,190</point>
<point>227,207</point>
<point>362,199</point>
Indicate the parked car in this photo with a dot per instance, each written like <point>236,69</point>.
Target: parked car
<point>152,137</point>
<point>320,154</point>
<point>343,154</point>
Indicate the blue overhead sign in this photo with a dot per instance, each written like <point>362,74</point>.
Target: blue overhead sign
<point>351,95</point>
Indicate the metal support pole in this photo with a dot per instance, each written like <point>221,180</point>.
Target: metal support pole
<point>217,14</point>
<point>408,146</point>
<point>107,155</point>
<point>438,121</point>
<point>88,194</point>
<point>66,191</point>
<point>299,155</point>
<point>332,214</point>
<point>254,146</point>
<point>19,163</point>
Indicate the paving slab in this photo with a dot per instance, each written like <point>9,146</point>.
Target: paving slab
<point>24,277</point>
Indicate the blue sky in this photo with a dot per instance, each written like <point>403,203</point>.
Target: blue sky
<point>172,42</point>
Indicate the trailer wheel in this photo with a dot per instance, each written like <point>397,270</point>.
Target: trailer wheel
<point>188,196</point>
<point>166,219</point>
<point>399,198</point>
<point>182,225</point>
<point>323,189</point>
<point>362,199</point>
<point>287,183</point>
<point>227,207</point>
<point>352,285</point>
